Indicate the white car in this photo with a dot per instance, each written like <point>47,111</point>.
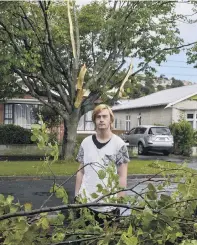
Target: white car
<point>150,138</point>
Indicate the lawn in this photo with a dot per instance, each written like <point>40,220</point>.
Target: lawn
<point>39,168</point>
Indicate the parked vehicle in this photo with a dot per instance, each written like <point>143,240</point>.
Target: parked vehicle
<point>150,137</point>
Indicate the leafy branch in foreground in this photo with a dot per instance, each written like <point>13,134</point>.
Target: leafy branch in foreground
<point>151,216</point>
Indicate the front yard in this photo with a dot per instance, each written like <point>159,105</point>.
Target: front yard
<point>61,168</point>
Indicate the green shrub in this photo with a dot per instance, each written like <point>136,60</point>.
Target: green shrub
<point>53,137</point>
<point>12,134</point>
<point>79,139</point>
<point>183,134</point>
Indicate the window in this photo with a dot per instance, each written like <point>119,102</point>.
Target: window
<point>190,116</point>
<point>132,131</point>
<point>89,125</point>
<point>159,131</point>
<point>192,119</point>
<point>20,114</point>
<point>128,123</point>
<point>137,131</point>
<point>140,130</point>
<point>8,116</point>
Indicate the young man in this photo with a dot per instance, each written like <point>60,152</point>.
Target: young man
<point>96,153</point>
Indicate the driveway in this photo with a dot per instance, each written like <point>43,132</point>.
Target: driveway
<point>160,156</point>
<point>191,161</point>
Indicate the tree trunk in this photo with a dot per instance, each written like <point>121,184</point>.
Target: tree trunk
<point>69,138</point>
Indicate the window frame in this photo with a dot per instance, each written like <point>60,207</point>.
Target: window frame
<point>12,112</point>
<point>128,122</point>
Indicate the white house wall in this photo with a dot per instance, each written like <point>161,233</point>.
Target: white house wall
<point>182,108</point>
<point>154,115</point>
<point>186,109</point>
<point>186,105</point>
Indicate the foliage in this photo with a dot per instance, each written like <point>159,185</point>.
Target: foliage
<point>37,40</point>
<point>143,85</point>
<point>183,134</point>
<point>13,134</point>
<point>176,83</point>
<point>9,87</point>
<point>41,137</point>
<point>155,217</point>
<point>51,119</point>
<point>49,116</point>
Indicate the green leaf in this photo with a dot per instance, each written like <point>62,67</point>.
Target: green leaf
<point>28,207</point>
<point>170,212</point>
<point>130,231</point>
<point>33,138</point>
<point>94,195</point>
<point>14,208</point>
<point>99,188</point>
<point>9,199</point>
<point>179,234</point>
<point>151,195</point>
<point>35,126</point>
<point>2,198</point>
<point>45,223</point>
<point>101,174</point>
<point>151,187</point>
<point>58,237</point>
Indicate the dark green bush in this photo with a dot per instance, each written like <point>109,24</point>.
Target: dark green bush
<point>183,134</point>
<point>12,134</point>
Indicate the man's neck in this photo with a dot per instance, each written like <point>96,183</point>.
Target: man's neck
<point>103,135</point>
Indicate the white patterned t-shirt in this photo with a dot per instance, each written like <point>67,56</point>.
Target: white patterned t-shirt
<point>94,159</point>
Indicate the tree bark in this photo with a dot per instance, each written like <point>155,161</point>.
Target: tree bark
<point>69,137</point>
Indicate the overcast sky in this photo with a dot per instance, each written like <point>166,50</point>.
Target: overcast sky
<point>176,65</point>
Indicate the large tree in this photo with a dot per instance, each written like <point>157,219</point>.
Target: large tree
<point>46,43</point>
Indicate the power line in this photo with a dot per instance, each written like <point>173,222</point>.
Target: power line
<point>172,74</point>
<point>187,75</point>
<point>185,67</point>
<point>178,61</point>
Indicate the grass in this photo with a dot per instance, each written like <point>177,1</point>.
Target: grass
<point>61,168</point>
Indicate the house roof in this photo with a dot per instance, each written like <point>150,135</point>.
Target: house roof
<point>166,97</point>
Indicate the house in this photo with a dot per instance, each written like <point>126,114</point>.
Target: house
<point>163,108</point>
<point>20,111</point>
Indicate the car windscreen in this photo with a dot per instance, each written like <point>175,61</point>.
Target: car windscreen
<point>160,131</point>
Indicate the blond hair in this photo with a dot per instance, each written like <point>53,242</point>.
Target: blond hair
<point>98,109</point>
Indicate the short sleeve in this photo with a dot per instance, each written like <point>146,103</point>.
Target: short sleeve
<point>80,155</point>
<point>122,155</point>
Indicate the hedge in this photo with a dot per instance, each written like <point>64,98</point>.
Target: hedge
<point>12,134</point>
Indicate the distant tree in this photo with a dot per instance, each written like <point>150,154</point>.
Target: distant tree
<point>176,83</point>
<point>160,87</point>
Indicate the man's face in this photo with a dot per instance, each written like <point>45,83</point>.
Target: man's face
<point>103,120</point>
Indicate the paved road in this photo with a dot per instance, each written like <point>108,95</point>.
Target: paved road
<point>37,191</point>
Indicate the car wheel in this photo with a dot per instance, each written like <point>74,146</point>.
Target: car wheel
<point>166,153</point>
<point>141,149</point>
